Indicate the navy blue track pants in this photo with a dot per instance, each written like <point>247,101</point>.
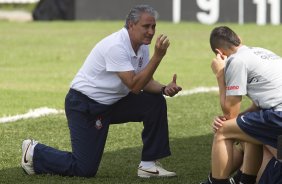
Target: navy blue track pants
<point>89,122</point>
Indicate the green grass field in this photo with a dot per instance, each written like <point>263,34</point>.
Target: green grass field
<point>38,60</point>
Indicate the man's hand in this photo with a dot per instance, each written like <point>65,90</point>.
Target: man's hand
<point>162,43</point>
<point>172,88</point>
<point>218,64</point>
<point>217,123</point>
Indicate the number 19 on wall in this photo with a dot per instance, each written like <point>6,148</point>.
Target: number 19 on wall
<point>211,11</point>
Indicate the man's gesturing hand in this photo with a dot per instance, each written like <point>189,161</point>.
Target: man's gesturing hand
<point>172,88</point>
<point>162,43</point>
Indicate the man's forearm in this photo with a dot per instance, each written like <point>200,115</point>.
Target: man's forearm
<point>222,91</point>
<point>153,87</point>
<point>230,105</point>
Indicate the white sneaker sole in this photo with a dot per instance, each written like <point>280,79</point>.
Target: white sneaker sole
<point>144,174</point>
<point>27,167</point>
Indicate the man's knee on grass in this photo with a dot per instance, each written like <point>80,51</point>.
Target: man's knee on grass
<point>88,170</point>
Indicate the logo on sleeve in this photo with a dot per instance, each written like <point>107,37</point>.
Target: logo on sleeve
<point>254,80</point>
<point>232,88</point>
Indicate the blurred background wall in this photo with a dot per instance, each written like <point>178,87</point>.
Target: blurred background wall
<point>204,11</point>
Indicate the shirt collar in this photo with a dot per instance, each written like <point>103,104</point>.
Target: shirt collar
<point>128,42</point>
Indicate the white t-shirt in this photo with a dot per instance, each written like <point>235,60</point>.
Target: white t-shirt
<point>257,73</point>
<point>98,78</point>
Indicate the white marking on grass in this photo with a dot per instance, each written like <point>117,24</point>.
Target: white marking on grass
<point>45,111</point>
<point>197,90</point>
<point>33,113</point>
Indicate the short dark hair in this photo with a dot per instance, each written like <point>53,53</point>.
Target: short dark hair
<point>135,13</point>
<point>223,37</point>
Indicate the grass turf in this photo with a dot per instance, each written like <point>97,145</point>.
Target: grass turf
<point>38,61</point>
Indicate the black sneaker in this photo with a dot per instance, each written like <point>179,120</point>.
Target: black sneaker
<point>207,182</point>
<point>231,181</point>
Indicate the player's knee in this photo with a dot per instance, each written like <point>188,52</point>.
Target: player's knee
<point>87,171</point>
<point>157,100</point>
<point>219,135</point>
<point>228,130</point>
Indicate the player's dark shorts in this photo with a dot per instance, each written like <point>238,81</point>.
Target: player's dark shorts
<point>272,173</point>
<point>263,125</point>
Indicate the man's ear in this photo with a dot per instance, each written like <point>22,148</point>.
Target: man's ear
<point>240,39</point>
<point>130,24</point>
<point>218,51</point>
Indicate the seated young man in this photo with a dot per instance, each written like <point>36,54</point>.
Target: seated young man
<point>271,168</point>
<point>255,72</point>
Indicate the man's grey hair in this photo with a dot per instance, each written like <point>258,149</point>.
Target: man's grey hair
<point>136,11</point>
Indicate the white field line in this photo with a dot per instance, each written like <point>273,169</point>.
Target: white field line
<point>35,113</point>
<point>197,90</point>
<point>44,111</point>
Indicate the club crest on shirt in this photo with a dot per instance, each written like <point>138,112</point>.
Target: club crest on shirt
<point>98,123</point>
<point>140,62</point>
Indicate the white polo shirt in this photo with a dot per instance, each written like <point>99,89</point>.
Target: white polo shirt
<point>97,78</point>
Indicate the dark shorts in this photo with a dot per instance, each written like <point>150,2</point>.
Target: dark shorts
<point>263,125</point>
<point>272,173</point>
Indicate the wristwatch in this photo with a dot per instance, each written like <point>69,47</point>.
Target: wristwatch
<point>163,90</point>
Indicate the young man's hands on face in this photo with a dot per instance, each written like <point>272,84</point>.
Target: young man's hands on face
<point>218,63</point>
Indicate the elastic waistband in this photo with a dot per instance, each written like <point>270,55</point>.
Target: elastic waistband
<point>278,107</point>
<point>73,91</point>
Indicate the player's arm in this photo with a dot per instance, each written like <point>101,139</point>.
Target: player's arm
<point>153,86</point>
<point>230,105</point>
<point>136,82</point>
